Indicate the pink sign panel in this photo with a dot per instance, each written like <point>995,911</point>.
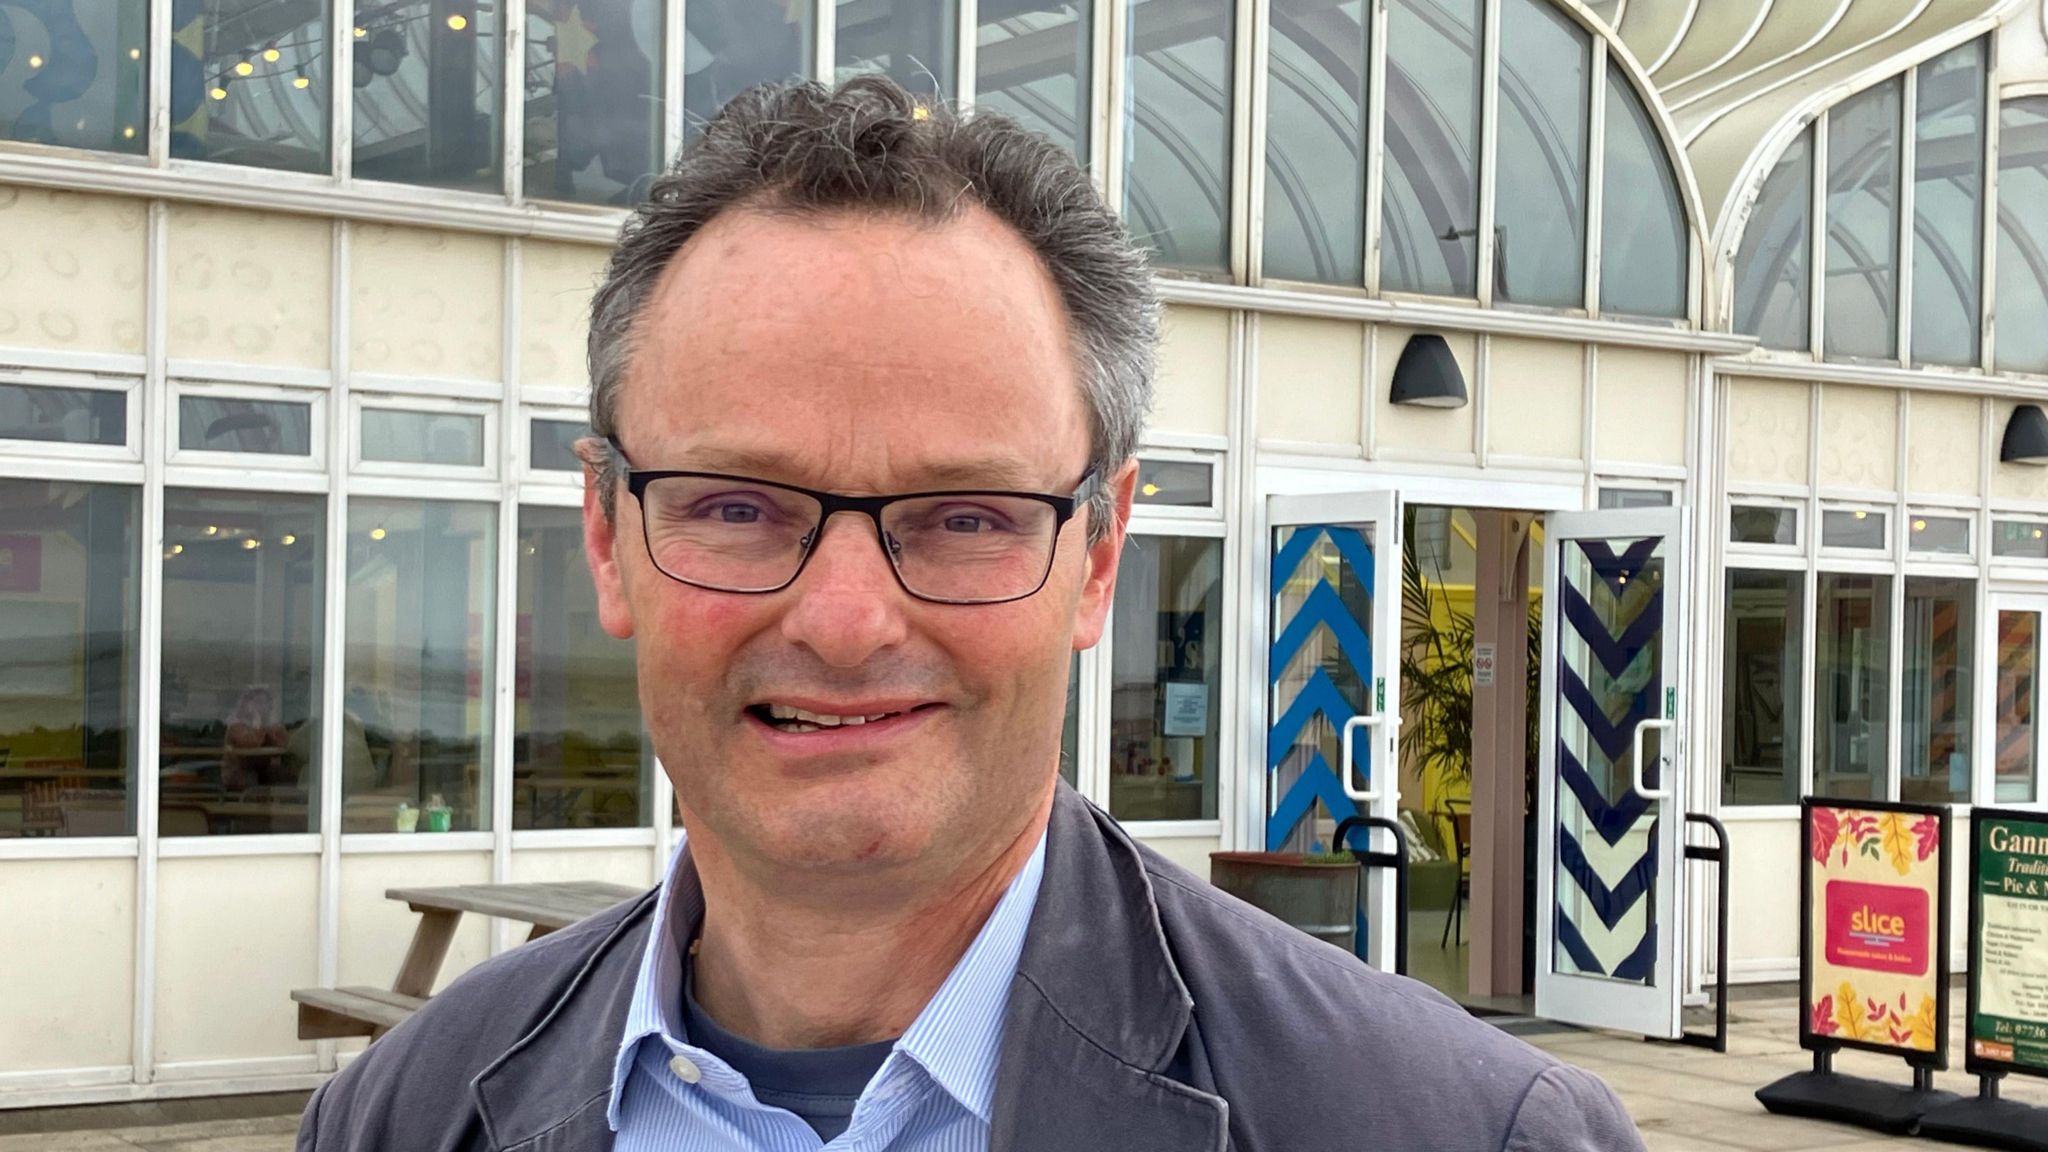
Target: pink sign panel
<point>1878,927</point>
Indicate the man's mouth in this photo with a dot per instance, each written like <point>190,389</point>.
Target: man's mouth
<point>788,718</point>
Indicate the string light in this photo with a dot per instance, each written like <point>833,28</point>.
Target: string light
<point>1919,525</point>
<point>218,93</point>
<point>1150,489</point>
<point>458,22</point>
<point>35,61</point>
<point>251,544</point>
<point>135,53</point>
<point>302,82</point>
<point>377,533</point>
<point>128,133</point>
<point>271,55</point>
<point>177,549</point>
<point>245,69</point>
<point>288,540</point>
<point>213,529</point>
<point>362,32</point>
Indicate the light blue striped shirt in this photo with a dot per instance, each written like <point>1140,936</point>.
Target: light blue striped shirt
<point>934,1093</point>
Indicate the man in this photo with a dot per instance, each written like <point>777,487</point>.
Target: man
<point>867,380</point>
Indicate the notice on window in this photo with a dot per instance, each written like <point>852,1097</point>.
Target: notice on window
<point>1874,921</point>
<point>2010,949</point>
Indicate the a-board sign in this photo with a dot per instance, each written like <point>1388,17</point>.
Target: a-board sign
<point>1874,928</point>
<point>2008,1027</point>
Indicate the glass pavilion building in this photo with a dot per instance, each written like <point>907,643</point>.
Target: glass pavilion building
<point>1752,294</point>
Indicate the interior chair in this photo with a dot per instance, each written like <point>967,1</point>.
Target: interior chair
<point>1458,814</point>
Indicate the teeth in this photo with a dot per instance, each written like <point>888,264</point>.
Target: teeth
<point>812,721</point>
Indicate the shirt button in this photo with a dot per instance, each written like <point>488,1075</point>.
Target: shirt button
<point>686,1069</point>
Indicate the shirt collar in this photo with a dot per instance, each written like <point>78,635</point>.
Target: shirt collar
<point>957,1038</point>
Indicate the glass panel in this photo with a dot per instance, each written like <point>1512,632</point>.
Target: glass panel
<point>1764,630</point>
<point>1643,235</point>
<point>1167,678</point>
<point>1177,110</point>
<point>75,75</point>
<point>1430,222</point>
<point>1862,297</point>
<point>2016,700</point>
<point>244,594</point>
<point>1545,113</point>
<point>1852,686</point>
<point>1852,529</point>
<point>578,757</point>
<point>594,117</point>
<point>2023,235</point>
<point>250,82</point>
<point>397,437</point>
<point>1180,483</point>
<point>63,415</point>
<point>551,445</point>
<point>1948,206</point>
<point>427,84</point>
<point>1762,524</point>
<point>1612,498</point>
<point>2020,539</point>
<point>1772,280</point>
<point>68,621</point>
<point>417,670</point>
<point>731,45</point>
<point>271,427</point>
<point>1070,726</point>
<point>1941,630</point>
<point>1948,535</point>
<point>913,42</point>
<point>1315,143</point>
<point>1321,668</point>
<point>1032,64</point>
<point>1610,663</point>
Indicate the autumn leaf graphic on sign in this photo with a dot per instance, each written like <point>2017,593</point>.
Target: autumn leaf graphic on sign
<point>1826,828</point>
<point>1824,1017</point>
<point>1927,833</point>
<point>1922,1025</point>
<point>1848,1014</point>
<point>1899,843</point>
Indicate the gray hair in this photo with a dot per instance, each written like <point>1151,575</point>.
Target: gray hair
<point>870,146</point>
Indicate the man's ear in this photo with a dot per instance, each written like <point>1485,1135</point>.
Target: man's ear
<point>1098,587</point>
<point>601,544</point>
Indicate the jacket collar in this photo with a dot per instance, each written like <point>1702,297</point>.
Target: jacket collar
<point>1096,1013</point>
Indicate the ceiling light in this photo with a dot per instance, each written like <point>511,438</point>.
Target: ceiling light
<point>458,22</point>
<point>1150,489</point>
<point>377,533</point>
<point>288,540</point>
<point>251,544</point>
<point>35,61</point>
<point>213,529</point>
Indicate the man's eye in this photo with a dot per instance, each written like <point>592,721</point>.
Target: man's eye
<point>967,522</point>
<point>736,514</point>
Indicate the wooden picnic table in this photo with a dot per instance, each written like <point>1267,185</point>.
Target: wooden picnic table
<point>327,1013</point>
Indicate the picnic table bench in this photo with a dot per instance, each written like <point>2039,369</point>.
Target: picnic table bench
<point>332,1013</point>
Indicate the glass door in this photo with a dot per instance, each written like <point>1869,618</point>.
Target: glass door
<point>1333,707</point>
<point>1611,831</point>
<point>2015,678</point>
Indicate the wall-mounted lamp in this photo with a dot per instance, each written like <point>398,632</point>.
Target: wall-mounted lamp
<point>1427,375</point>
<point>2026,437</point>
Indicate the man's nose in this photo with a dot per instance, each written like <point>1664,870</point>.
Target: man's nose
<point>848,605</point>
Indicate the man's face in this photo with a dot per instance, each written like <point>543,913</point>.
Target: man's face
<point>861,356</point>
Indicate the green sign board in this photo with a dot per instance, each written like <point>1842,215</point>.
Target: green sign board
<point>2009,942</point>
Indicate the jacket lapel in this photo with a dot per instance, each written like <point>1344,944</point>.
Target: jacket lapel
<point>1097,1011</point>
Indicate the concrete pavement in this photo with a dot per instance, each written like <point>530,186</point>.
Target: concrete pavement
<point>1683,1099</point>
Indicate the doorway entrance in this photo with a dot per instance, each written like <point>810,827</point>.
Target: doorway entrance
<point>1470,647</point>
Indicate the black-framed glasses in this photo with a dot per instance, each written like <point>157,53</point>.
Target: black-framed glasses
<point>739,534</point>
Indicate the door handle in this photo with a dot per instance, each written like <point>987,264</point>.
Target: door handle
<point>1636,759</point>
<point>1377,722</point>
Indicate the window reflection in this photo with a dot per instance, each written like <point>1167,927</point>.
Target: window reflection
<point>1540,245</point>
<point>1941,629</point>
<point>1852,686</point>
<point>551,445</point>
<point>1070,726</point>
<point>75,75</point>
<point>2015,704</point>
<point>1177,114</point>
<point>267,427</point>
<point>913,42</point>
<point>417,670</point>
<point>250,82</point>
<point>1862,296</point>
<point>578,757</point>
<point>427,82</point>
<point>1772,281</point>
<point>731,45</point>
<point>593,99</point>
<point>1315,142</point>
<point>1765,627</point>
<point>1032,63</point>
<point>448,438</point>
<point>1429,240</point>
<point>1166,677</point>
<point>1643,235</point>
<point>244,582</point>
<point>63,415</point>
<point>68,621</point>
<point>1948,206</point>
<point>2023,235</point>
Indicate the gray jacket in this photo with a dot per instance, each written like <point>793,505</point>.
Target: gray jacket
<point>1149,1013</point>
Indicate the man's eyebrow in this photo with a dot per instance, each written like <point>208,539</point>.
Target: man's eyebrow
<point>994,472</point>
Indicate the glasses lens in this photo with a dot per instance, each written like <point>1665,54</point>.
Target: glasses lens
<point>735,535</point>
<point>971,547</point>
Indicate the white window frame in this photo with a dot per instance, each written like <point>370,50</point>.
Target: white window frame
<point>129,451</point>
<point>2020,567</point>
<point>523,449</point>
<point>1922,556</point>
<point>176,458</point>
<point>488,438</point>
<point>1210,512</point>
<point>1741,553</point>
<point>1839,552</point>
